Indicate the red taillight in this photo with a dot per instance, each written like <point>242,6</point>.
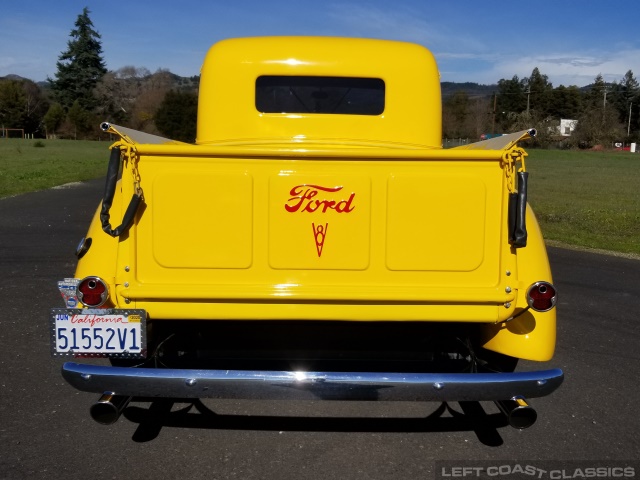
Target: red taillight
<point>541,296</point>
<point>93,292</point>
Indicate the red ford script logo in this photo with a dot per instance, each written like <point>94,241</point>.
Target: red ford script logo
<point>303,199</point>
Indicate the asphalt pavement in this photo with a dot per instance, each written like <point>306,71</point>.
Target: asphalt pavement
<point>46,432</point>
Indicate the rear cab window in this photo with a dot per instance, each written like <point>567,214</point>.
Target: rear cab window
<point>320,95</point>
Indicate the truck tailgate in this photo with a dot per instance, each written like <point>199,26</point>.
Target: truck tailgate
<point>423,231</point>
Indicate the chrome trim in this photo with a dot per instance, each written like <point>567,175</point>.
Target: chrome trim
<point>246,384</point>
<point>135,135</point>
<point>83,247</point>
<point>519,413</point>
<point>504,142</point>
<point>108,408</point>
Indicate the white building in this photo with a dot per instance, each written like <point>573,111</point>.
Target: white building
<point>567,127</point>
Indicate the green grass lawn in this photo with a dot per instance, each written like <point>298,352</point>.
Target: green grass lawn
<point>30,165</point>
<point>588,199</point>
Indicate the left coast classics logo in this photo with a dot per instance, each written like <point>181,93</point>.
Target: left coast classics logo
<point>303,199</point>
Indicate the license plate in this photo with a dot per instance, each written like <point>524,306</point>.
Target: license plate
<point>100,332</point>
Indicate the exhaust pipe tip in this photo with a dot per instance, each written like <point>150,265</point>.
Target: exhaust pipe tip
<point>108,408</point>
<point>518,412</point>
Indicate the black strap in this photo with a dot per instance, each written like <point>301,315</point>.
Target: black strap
<point>518,212</point>
<point>107,199</point>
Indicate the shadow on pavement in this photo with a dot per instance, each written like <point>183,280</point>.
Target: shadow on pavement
<point>197,416</point>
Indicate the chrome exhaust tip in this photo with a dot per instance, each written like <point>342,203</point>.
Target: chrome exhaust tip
<point>518,412</point>
<point>108,408</point>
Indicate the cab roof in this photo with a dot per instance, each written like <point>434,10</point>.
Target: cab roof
<point>228,110</point>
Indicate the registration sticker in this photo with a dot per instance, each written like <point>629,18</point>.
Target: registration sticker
<point>67,289</point>
<point>100,332</point>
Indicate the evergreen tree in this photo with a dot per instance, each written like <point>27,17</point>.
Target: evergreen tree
<point>12,99</point>
<point>630,87</point>
<point>454,114</point>
<point>511,100</point>
<point>566,102</point>
<point>595,97</point>
<point>79,118</point>
<point>177,116</point>
<point>599,123</point>
<point>538,91</point>
<point>53,118</point>
<point>21,105</point>
<point>626,94</point>
<point>80,67</point>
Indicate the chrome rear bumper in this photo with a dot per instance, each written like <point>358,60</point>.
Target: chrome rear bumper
<point>249,384</point>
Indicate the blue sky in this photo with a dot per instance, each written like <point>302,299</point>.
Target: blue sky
<point>571,41</point>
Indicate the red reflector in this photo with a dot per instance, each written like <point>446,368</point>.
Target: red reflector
<point>92,292</point>
<point>541,296</point>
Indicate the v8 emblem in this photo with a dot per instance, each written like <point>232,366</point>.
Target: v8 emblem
<point>320,234</point>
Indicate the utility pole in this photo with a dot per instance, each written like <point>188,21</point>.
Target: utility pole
<point>604,104</point>
<point>629,124</point>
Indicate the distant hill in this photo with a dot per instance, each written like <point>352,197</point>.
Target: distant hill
<point>178,82</point>
<point>588,88</point>
<point>448,88</point>
<point>189,83</point>
<point>473,90</point>
<point>13,77</point>
<point>44,85</point>
<point>470,88</point>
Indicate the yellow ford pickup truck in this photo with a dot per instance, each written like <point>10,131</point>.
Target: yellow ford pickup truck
<point>315,242</point>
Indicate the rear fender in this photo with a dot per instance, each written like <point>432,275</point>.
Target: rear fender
<point>532,335</point>
<point>101,258</point>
